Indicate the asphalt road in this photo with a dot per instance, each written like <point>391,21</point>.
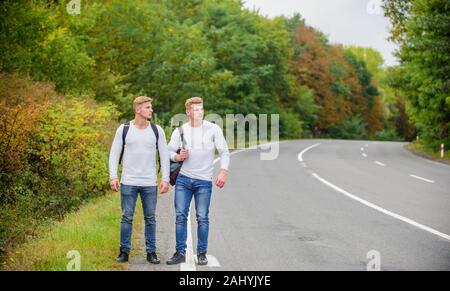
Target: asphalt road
<point>330,208</point>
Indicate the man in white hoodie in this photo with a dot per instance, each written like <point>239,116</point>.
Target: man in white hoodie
<point>201,139</point>
<point>136,143</point>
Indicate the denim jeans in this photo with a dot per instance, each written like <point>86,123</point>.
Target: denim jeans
<point>128,197</point>
<point>185,188</point>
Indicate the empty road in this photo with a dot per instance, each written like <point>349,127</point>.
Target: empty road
<point>323,205</point>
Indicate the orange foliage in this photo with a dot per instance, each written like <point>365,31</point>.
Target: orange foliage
<point>21,102</point>
<point>321,67</point>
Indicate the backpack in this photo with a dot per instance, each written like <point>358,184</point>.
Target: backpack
<point>175,167</point>
<point>126,127</point>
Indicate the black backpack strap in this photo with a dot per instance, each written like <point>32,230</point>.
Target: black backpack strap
<point>126,127</point>
<point>180,130</point>
<point>156,132</point>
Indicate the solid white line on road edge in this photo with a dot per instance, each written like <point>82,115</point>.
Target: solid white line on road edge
<point>364,155</point>
<point>380,164</point>
<point>189,265</point>
<point>423,179</point>
<point>212,261</point>
<point>300,155</point>
<point>382,210</point>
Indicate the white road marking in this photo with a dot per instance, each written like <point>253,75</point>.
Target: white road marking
<point>189,265</point>
<point>362,149</point>
<point>382,210</point>
<point>423,179</point>
<point>376,207</point>
<point>366,145</point>
<point>300,155</point>
<point>191,259</point>
<point>212,261</point>
<point>380,164</point>
<point>364,155</point>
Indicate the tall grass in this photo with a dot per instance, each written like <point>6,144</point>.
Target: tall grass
<point>434,154</point>
<point>93,231</point>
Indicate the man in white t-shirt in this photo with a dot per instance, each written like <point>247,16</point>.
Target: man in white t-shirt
<point>138,154</point>
<point>201,139</point>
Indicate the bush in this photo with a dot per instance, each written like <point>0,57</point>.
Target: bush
<point>21,104</point>
<point>71,147</point>
<point>54,155</point>
<point>354,128</point>
<point>290,126</point>
<point>388,135</point>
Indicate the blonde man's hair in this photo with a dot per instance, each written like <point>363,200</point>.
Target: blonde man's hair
<point>139,100</point>
<point>193,100</point>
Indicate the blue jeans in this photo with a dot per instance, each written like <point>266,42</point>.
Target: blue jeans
<point>128,197</point>
<point>185,188</point>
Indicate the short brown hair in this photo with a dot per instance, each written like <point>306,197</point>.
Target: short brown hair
<point>141,99</point>
<point>193,100</point>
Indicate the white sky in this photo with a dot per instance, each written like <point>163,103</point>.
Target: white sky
<point>349,22</point>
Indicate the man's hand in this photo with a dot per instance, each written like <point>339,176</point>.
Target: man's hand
<point>183,155</point>
<point>164,187</point>
<point>114,184</point>
<point>221,178</point>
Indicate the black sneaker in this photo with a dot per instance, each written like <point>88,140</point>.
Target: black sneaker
<point>122,257</point>
<point>176,259</point>
<point>202,260</point>
<point>153,258</point>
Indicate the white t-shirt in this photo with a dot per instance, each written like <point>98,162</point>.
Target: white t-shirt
<point>139,156</point>
<point>201,142</point>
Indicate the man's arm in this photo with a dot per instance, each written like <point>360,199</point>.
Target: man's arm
<point>164,159</point>
<point>163,155</point>
<point>224,153</point>
<point>174,144</point>
<point>114,156</point>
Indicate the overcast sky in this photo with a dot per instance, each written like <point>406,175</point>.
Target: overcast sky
<point>349,22</point>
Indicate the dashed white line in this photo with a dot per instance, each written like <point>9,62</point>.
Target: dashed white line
<point>380,163</point>
<point>423,179</point>
<point>364,155</point>
<point>376,207</point>
<point>382,210</point>
<point>362,149</point>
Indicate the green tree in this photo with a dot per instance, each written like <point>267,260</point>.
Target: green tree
<point>420,27</point>
<point>35,40</point>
